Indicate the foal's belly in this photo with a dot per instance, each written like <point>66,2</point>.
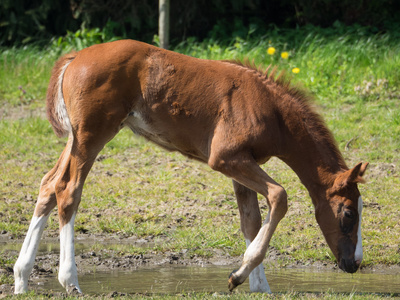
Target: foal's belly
<point>171,140</point>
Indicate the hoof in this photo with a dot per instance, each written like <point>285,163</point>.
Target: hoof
<point>233,281</point>
<point>230,275</point>
<point>72,290</point>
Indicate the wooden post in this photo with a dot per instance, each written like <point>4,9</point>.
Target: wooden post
<point>163,23</point>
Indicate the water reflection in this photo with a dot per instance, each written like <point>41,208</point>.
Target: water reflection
<point>214,278</point>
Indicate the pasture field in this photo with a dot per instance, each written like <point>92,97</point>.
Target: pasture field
<point>139,191</point>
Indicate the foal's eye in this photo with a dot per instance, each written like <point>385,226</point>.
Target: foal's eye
<point>348,220</point>
<point>349,214</point>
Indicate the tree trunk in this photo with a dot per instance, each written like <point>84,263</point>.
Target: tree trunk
<point>163,23</point>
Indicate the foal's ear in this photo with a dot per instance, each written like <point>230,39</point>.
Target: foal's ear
<point>356,173</point>
<point>351,176</point>
<point>363,168</point>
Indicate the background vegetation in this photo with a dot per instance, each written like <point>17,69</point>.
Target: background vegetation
<point>27,21</point>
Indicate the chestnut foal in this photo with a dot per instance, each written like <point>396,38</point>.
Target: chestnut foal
<point>229,115</point>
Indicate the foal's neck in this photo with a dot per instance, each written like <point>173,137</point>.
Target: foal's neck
<point>310,149</point>
<point>315,174</point>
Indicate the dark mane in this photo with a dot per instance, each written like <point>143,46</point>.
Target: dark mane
<point>281,79</point>
<point>302,100</point>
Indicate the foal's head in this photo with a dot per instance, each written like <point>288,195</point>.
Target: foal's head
<point>340,218</point>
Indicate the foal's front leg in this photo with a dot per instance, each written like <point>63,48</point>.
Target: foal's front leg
<point>255,253</point>
<point>244,169</point>
<point>250,222</point>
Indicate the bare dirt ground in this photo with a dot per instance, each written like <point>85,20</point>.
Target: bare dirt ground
<point>106,259</point>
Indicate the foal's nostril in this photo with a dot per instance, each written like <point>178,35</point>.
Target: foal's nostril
<point>349,265</point>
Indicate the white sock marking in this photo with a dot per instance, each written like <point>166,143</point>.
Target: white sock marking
<point>358,255</point>
<point>257,279</point>
<point>26,258</point>
<point>68,274</point>
<point>254,248</point>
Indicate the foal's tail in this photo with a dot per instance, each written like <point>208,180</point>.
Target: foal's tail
<point>56,110</point>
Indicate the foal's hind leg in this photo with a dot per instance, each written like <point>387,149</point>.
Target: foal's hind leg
<point>250,221</point>
<point>243,168</point>
<point>45,203</point>
<point>79,160</point>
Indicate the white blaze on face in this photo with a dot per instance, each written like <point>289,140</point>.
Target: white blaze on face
<point>358,255</point>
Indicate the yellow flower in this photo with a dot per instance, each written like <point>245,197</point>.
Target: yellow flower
<point>295,70</point>
<point>285,55</point>
<point>271,50</point>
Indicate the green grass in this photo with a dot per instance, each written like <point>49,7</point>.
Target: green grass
<point>234,296</point>
<point>138,189</point>
<point>24,75</point>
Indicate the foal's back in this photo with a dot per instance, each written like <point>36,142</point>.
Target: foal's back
<point>172,99</point>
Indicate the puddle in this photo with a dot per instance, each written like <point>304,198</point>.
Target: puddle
<point>214,279</point>
<point>176,279</point>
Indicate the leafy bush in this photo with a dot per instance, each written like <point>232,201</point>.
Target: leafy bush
<point>83,38</point>
<point>27,21</point>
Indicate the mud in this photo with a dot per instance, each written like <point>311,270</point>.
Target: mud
<point>95,253</point>
<point>104,270</point>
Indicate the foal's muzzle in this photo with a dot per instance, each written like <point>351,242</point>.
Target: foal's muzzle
<point>349,265</point>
